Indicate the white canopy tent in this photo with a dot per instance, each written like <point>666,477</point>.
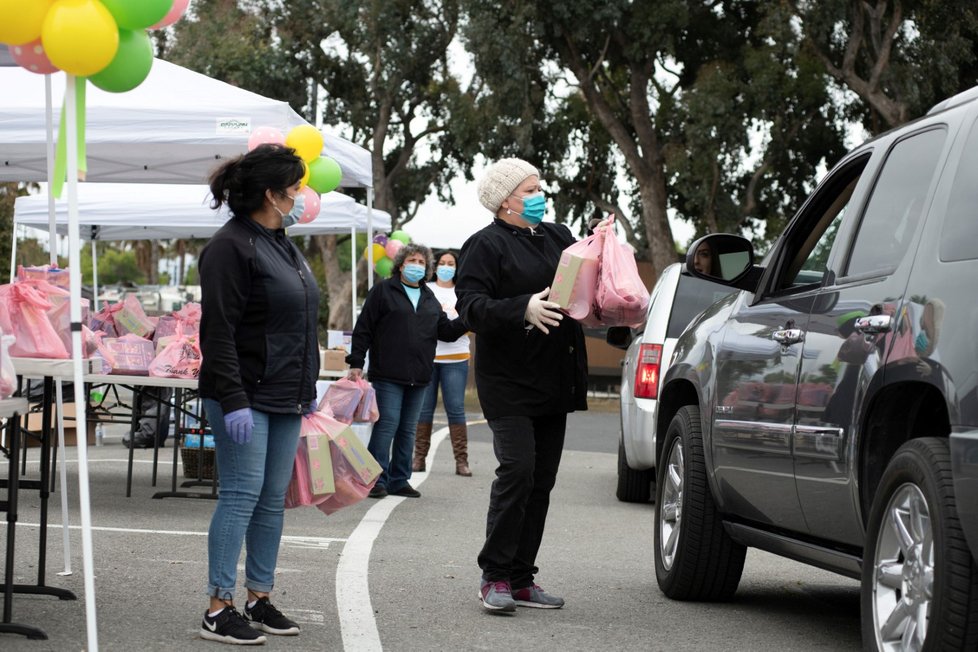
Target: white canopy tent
<point>172,128</point>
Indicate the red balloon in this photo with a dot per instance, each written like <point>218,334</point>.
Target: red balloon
<point>313,205</point>
<point>30,56</point>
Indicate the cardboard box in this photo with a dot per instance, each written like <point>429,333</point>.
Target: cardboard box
<point>356,453</point>
<point>333,360</point>
<point>320,464</point>
<point>339,340</point>
<point>34,420</point>
<point>574,284</point>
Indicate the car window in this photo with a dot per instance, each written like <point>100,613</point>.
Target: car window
<point>810,240</point>
<point>896,205</point>
<point>959,236</point>
<point>693,296</point>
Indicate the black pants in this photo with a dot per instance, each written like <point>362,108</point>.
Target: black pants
<point>528,451</point>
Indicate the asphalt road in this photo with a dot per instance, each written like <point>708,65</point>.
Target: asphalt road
<point>421,578</point>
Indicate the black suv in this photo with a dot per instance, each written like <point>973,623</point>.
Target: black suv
<point>828,411</point>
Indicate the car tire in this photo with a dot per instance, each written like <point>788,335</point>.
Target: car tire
<point>695,558</point>
<point>919,581</point>
<point>633,486</point>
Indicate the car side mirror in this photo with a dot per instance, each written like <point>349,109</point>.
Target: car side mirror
<point>619,337</point>
<point>724,258</point>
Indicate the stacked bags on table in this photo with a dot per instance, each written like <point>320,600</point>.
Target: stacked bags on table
<point>130,343</point>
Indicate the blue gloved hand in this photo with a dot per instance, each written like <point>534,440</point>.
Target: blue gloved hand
<point>309,409</point>
<point>239,424</point>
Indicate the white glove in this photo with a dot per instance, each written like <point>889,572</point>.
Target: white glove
<point>542,313</point>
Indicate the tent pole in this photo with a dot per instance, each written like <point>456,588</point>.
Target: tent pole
<point>370,236</point>
<point>64,477</point>
<point>81,426</point>
<point>13,252</point>
<point>94,277</point>
<point>353,270</point>
<point>49,129</point>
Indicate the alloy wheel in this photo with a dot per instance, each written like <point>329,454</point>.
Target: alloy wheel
<point>671,509</point>
<point>903,584</point>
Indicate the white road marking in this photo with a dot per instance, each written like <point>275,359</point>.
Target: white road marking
<point>358,626</point>
<point>293,540</point>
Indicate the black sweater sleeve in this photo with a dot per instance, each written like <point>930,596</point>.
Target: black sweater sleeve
<point>225,284</point>
<point>363,330</point>
<point>477,285</point>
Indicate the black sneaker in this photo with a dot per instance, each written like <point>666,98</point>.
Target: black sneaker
<point>377,492</point>
<point>407,491</point>
<point>229,626</point>
<point>269,619</point>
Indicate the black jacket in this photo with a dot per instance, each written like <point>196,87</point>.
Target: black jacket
<point>401,340</point>
<point>519,372</point>
<point>260,305</point>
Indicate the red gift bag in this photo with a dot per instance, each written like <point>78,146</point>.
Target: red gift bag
<point>301,491</point>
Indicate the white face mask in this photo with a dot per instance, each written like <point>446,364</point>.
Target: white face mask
<point>298,207</point>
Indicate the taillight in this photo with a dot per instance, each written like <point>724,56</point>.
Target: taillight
<point>647,371</point>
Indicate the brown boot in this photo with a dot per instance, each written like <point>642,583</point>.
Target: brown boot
<point>422,442</point>
<point>460,439</point>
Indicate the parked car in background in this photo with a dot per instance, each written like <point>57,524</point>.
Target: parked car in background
<point>675,300</point>
<point>828,410</point>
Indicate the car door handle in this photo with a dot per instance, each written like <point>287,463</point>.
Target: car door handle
<point>873,324</point>
<point>788,336</point>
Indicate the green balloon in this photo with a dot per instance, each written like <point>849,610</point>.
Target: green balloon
<point>130,66</point>
<point>400,235</point>
<point>324,175</point>
<point>138,14</point>
<point>384,266</point>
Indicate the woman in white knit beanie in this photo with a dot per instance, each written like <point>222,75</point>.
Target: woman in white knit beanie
<point>530,370</point>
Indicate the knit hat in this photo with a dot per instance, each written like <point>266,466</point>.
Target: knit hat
<point>501,179</point>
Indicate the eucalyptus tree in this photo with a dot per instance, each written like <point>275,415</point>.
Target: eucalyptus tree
<point>898,57</point>
<point>702,109</point>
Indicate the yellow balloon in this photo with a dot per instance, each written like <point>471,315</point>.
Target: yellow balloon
<point>80,36</point>
<point>305,176</point>
<point>21,20</point>
<point>378,252</point>
<point>306,141</point>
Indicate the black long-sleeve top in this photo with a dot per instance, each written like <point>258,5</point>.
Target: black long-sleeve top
<point>259,308</point>
<point>519,371</point>
<point>400,338</point>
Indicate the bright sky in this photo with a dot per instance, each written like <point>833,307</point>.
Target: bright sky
<point>439,225</point>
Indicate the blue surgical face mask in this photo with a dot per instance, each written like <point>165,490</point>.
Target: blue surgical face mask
<point>445,272</point>
<point>292,217</point>
<point>921,342</point>
<point>413,272</point>
<point>534,207</point>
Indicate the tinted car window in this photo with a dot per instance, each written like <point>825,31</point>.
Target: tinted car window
<point>959,237</point>
<point>897,202</point>
<point>693,296</point>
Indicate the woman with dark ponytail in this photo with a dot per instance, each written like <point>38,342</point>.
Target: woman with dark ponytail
<point>258,377</point>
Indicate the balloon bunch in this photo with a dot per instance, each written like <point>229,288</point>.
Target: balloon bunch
<point>103,40</point>
<point>323,174</point>
<point>384,249</point>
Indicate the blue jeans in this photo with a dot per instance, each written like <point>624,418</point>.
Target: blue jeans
<point>392,439</point>
<point>452,376</point>
<point>251,503</point>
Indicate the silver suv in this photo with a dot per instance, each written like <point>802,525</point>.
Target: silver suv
<point>676,300</point>
<point>828,411</point>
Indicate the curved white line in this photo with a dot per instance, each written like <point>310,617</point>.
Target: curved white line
<point>357,624</point>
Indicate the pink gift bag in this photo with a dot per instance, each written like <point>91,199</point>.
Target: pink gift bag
<point>621,298</point>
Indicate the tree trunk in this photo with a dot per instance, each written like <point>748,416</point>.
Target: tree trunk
<point>338,284</point>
